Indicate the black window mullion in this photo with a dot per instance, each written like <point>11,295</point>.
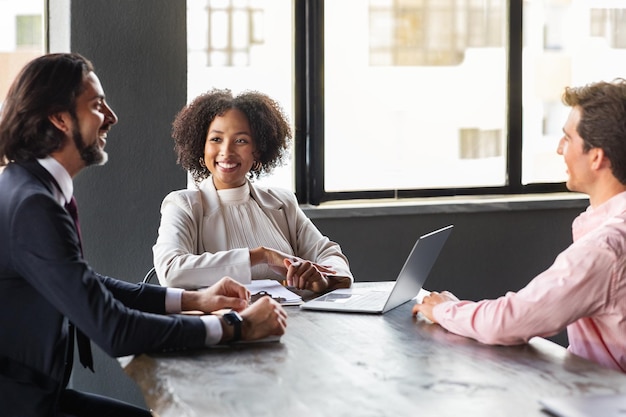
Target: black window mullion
<point>315,99</point>
<point>309,116</point>
<point>514,122</point>
<point>300,103</point>
<point>309,92</point>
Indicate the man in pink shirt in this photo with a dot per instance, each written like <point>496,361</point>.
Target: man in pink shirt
<point>585,289</point>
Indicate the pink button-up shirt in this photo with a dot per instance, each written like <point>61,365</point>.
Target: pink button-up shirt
<point>584,290</point>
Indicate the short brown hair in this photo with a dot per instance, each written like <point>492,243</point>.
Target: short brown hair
<point>603,120</point>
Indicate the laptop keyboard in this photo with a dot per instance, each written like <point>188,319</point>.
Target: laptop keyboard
<point>370,299</point>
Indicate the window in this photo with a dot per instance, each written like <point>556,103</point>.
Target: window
<point>565,43</point>
<point>397,108</point>
<point>228,32</point>
<point>29,28</point>
<point>405,98</point>
<point>243,45</point>
<point>21,38</point>
<point>417,32</point>
<point>604,24</point>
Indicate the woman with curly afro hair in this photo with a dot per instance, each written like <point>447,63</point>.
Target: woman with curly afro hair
<point>227,225</point>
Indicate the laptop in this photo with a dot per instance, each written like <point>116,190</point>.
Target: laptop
<point>604,405</point>
<point>407,285</point>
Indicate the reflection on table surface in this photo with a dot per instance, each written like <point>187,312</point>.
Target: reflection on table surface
<point>340,364</point>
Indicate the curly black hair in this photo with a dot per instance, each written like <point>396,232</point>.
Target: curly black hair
<point>270,129</point>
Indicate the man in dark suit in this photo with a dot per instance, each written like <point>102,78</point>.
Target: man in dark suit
<point>54,123</point>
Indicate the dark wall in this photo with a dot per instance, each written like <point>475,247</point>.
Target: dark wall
<point>139,51</point>
<point>490,252</point>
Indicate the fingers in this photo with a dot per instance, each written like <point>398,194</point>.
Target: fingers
<point>416,309</point>
<point>281,319</point>
<point>326,269</point>
<point>229,287</point>
<point>237,290</point>
<point>295,273</point>
<point>293,266</point>
<point>307,275</point>
<point>426,309</point>
<point>428,303</point>
<point>433,298</point>
<point>264,318</point>
<point>437,298</point>
<point>274,316</point>
<point>448,296</point>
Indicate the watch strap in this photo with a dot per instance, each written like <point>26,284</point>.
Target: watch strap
<point>232,318</point>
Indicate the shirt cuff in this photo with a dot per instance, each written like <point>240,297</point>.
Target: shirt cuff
<point>214,330</point>
<point>173,300</point>
<point>173,305</point>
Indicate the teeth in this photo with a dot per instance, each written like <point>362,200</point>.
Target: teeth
<point>227,165</point>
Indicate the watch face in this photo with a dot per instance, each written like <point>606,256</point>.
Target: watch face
<point>232,317</point>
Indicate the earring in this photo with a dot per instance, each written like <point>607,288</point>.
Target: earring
<point>202,164</point>
<point>256,167</point>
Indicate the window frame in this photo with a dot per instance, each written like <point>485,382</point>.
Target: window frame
<point>309,117</point>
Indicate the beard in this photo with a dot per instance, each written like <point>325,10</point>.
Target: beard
<point>90,154</point>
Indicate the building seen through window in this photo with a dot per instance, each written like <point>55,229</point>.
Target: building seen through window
<point>243,45</point>
<point>432,33</point>
<point>21,38</point>
<point>414,94</point>
<point>225,33</point>
<point>566,43</point>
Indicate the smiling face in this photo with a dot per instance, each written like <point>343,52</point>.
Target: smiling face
<point>85,128</point>
<point>577,160</point>
<point>92,122</point>
<point>229,150</point>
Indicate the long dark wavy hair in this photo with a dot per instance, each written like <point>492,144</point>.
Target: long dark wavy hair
<point>46,85</point>
<point>270,129</point>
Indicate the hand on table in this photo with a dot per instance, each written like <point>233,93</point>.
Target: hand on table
<point>430,301</point>
<point>226,293</point>
<point>307,275</point>
<point>300,273</point>
<point>264,318</point>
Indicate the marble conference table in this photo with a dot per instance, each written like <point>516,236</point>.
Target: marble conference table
<point>341,364</point>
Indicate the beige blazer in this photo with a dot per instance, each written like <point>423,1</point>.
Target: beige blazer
<point>190,253</point>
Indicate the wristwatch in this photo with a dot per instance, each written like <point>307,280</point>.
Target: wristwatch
<point>232,318</point>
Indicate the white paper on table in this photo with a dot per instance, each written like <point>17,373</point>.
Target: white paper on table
<point>275,289</point>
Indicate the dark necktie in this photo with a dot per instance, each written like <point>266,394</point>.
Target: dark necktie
<point>84,346</point>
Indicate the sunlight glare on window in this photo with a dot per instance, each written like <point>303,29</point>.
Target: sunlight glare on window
<point>243,45</point>
<point>566,43</point>
<point>406,85</point>
<point>21,38</point>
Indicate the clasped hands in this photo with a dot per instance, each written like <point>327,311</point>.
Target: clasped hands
<point>299,273</point>
<point>264,318</point>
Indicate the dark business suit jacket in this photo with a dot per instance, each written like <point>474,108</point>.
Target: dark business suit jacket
<point>44,282</point>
